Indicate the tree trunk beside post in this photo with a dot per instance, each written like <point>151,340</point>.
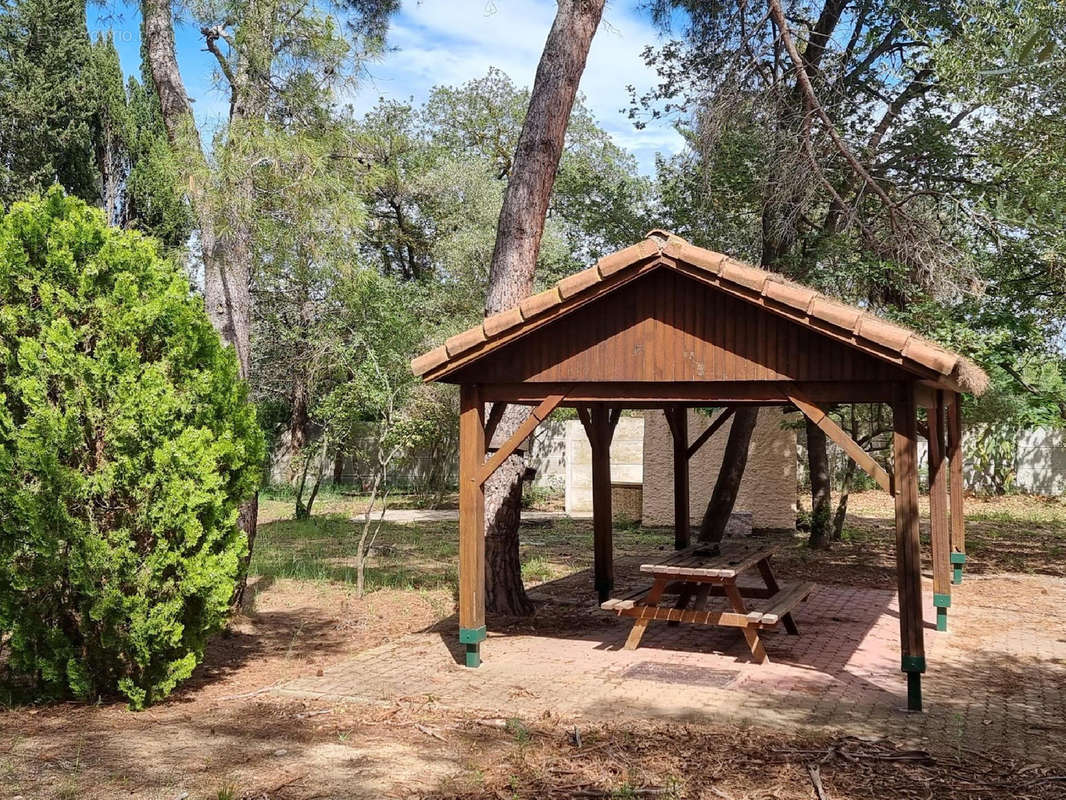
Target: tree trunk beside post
<point>734,460</point>
<point>514,258</point>
<point>818,466</point>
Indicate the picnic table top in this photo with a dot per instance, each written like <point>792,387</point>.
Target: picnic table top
<point>701,561</point>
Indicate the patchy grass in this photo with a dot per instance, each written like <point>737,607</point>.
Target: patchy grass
<point>1019,535</point>
<point>424,555</point>
<point>323,548</point>
<point>225,734</point>
<point>1014,534</point>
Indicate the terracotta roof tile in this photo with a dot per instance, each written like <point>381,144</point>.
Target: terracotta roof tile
<point>822,311</point>
<point>740,273</point>
<point>698,257</point>
<point>539,303</point>
<point>609,265</point>
<point>427,361</point>
<point>578,282</point>
<point>504,321</point>
<point>884,333</point>
<point>789,294</point>
<point>843,316</point>
<point>462,342</point>
<point>930,355</point>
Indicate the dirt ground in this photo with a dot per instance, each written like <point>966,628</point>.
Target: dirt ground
<point>225,735</point>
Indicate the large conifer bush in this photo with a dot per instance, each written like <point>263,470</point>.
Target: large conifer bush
<point>126,444</point>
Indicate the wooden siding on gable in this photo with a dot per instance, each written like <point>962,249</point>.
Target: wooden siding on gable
<point>665,326</point>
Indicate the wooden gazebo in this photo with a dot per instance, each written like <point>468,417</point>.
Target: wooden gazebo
<point>665,324</point>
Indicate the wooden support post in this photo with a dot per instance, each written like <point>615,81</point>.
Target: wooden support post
<point>599,425</point>
<point>908,555</point>
<point>939,532</point>
<point>958,519</point>
<point>471,523</point>
<point>678,419</point>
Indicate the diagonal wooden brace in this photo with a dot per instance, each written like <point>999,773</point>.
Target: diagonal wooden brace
<point>819,417</point>
<point>547,406</point>
<point>711,429</point>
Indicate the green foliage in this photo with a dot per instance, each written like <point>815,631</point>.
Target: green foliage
<point>954,109</point>
<point>437,176</point>
<point>153,202</point>
<point>71,118</point>
<point>126,444</point>
<point>46,99</point>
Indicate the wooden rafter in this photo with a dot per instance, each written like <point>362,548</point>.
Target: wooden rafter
<point>527,427</point>
<point>821,418</point>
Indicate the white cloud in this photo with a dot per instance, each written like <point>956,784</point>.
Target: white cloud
<point>441,42</point>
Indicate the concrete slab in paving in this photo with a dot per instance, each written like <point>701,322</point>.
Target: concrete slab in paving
<point>996,679</point>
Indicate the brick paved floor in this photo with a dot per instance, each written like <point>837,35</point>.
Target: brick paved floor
<point>997,678</point>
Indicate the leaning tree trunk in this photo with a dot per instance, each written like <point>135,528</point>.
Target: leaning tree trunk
<point>734,460</point>
<point>818,466</point>
<point>225,249</point>
<point>518,235</point>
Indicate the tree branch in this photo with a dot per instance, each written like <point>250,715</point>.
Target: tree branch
<point>211,37</point>
<point>811,101</point>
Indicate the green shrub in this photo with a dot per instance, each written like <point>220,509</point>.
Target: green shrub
<point>126,444</point>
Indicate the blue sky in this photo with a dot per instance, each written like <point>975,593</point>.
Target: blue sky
<point>448,42</point>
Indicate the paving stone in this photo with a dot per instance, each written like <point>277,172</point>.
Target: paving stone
<point>988,685</point>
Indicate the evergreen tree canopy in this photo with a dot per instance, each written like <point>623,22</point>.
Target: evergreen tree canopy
<point>126,444</point>
<point>46,99</point>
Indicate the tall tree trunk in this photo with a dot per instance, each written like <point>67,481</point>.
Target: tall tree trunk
<point>299,423</point>
<point>841,514</point>
<point>518,235</point>
<point>818,465</point>
<point>225,250</point>
<point>734,460</point>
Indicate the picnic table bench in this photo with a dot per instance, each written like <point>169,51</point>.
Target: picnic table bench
<point>699,572</point>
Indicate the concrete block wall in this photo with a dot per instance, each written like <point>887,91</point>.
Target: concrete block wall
<point>767,491</point>
<point>627,460</point>
<point>547,454</point>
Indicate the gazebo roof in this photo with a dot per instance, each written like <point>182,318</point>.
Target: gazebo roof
<point>830,318</point>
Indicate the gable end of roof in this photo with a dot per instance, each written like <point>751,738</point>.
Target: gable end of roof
<point>802,304</point>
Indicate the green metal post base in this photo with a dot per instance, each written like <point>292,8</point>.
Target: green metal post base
<point>473,655</point>
<point>957,560</point>
<point>472,638</point>
<point>942,603</point>
<point>914,691</point>
<point>914,666</point>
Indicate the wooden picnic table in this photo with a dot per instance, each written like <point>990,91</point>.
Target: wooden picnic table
<point>699,572</point>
